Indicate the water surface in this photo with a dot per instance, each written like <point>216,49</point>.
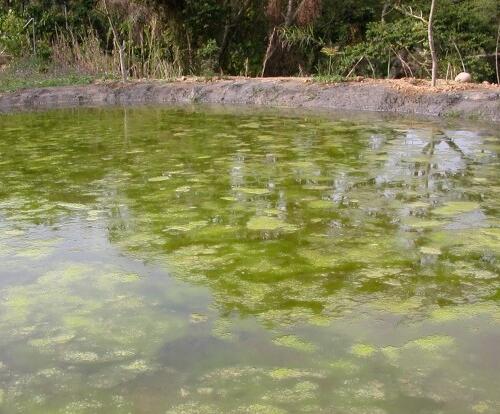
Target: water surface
<point>196,261</point>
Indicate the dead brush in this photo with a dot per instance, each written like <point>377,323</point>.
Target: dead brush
<point>83,55</point>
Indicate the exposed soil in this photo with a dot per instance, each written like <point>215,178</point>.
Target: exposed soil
<point>407,96</point>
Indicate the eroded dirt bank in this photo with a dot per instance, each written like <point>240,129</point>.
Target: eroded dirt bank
<point>478,102</point>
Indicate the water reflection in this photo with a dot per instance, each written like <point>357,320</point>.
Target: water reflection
<point>193,261</point>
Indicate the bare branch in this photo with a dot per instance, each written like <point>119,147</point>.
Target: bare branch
<point>408,11</point>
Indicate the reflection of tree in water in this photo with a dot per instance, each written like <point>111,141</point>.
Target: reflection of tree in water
<point>343,205</point>
<point>354,247</point>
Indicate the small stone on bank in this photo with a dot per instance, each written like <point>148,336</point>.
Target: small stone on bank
<point>463,77</point>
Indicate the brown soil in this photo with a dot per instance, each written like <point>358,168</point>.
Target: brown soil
<point>408,96</point>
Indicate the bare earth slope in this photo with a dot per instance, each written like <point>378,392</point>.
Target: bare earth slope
<point>408,97</point>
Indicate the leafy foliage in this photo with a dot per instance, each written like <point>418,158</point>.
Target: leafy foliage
<point>165,38</point>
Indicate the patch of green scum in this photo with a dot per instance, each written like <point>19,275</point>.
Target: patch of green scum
<point>431,343</point>
<point>198,318</point>
<point>215,233</point>
<point>454,208</point>
<point>251,125</point>
<point>319,320</point>
<point>186,227</point>
<point>195,259</point>
<point>486,239</point>
<point>392,353</point>
<point>320,204</point>
<point>123,277</point>
<point>232,373</point>
<point>430,251</point>
<point>443,239</point>
<point>229,198</point>
<point>464,312</point>
<point>2,396</point>
<point>317,258</point>
<point>80,357</point>
<point>294,342</point>
<point>291,373</point>
<point>14,233</point>
<point>35,253</point>
<point>51,341</point>
<point>72,206</point>
<point>374,390</point>
<point>253,191</point>
<point>303,165</point>
<point>363,350</point>
<point>317,187</point>
<point>260,409</point>
<point>159,179</point>
<point>266,223</point>
<point>302,391</point>
<point>281,317</point>
<point>138,366</point>
<point>221,329</point>
<point>273,212</point>
<point>482,407</point>
<point>70,273</point>
<point>194,408</point>
<point>418,223</point>
<point>183,189</point>
<point>17,305</point>
<point>98,317</point>
<point>398,307</point>
<point>345,366</point>
<point>418,205</point>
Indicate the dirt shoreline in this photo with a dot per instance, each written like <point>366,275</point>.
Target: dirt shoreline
<point>403,97</point>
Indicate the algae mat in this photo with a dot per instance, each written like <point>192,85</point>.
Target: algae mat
<point>194,261</point>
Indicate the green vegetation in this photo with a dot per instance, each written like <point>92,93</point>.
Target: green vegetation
<point>72,41</point>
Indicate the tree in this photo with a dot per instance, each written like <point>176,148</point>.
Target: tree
<point>235,11</point>
<point>285,14</point>
<point>430,33</point>
<point>431,43</point>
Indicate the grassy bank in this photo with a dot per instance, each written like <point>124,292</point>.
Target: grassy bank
<point>9,82</point>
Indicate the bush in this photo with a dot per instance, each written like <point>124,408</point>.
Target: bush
<point>12,39</point>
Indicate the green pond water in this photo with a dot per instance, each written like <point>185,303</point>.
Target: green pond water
<point>201,261</point>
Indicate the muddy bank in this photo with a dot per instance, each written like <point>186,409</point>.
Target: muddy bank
<point>474,102</point>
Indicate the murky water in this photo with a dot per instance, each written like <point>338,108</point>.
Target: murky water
<point>200,262</point>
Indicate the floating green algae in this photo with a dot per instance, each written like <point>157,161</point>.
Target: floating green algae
<point>453,208</point>
<point>345,366</point>
<point>430,251</point>
<point>167,260</point>
<point>253,191</point>
<point>418,223</point>
<point>291,373</point>
<point>431,343</point>
<point>159,179</point>
<point>362,350</point>
<point>466,311</point>
<point>266,223</point>
<point>320,204</point>
<point>294,342</point>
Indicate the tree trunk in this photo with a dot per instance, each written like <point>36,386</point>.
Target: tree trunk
<point>289,13</point>
<point>496,56</point>
<point>269,51</point>
<point>431,44</point>
<point>224,43</point>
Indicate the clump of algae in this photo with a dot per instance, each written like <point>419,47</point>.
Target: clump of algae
<point>294,342</point>
<point>363,350</point>
<point>266,223</point>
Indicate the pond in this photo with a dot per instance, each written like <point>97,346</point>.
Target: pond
<point>206,261</point>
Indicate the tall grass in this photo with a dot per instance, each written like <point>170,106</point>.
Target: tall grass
<point>146,57</point>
